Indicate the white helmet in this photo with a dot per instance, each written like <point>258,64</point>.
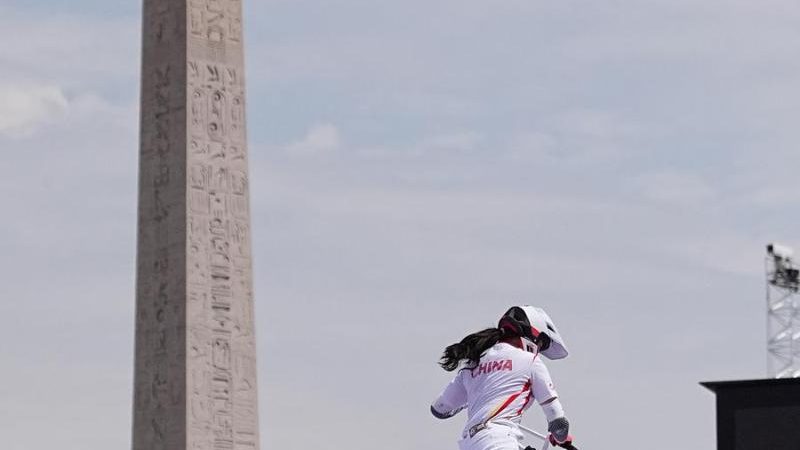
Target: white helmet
<point>532,323</point>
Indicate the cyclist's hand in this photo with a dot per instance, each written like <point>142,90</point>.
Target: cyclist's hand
<point>566,443</point>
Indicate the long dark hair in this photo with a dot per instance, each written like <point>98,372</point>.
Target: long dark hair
<point>470,349</point>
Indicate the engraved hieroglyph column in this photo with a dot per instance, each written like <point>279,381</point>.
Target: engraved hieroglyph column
<point>195,368</point>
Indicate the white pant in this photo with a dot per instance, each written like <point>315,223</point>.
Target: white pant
<point>495,437</point>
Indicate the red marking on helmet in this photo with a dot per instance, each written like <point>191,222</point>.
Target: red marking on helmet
<point>534,331</point>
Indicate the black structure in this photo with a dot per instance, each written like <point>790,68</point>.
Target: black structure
<point>757,414</point>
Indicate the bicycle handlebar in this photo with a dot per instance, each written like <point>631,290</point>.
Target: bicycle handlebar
<point>544,438</point>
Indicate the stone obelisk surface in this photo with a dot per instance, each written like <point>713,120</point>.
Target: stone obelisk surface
<point>195,368</point>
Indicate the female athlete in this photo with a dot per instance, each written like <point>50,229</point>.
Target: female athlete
<point>500,376</point>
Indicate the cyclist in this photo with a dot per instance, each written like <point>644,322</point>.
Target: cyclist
<point>500,375</point>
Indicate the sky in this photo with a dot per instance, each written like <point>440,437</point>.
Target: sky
<point>416,168</point>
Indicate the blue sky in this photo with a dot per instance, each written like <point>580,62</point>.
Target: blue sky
<point>417,167</point>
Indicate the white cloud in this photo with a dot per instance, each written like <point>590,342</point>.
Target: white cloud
<point>532,145</point>
<point>683,189</point>
<point>320,139</point>
<point>777,197</point>
<point>433,146</point>
<point>578,137</point>
<point>459,141</point>
<point>24,108</point>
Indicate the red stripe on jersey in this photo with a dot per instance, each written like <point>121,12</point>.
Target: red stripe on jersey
<point>509,400</point>
<point>527,399</point>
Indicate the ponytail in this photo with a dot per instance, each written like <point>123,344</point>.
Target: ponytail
<point>470,349</point>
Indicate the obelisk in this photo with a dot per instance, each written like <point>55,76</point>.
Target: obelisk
<point>195,368</point>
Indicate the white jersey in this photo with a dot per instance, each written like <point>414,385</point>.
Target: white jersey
<point>500,388</point>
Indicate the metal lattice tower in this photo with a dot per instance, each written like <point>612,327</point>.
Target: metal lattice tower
<point>783,313</point>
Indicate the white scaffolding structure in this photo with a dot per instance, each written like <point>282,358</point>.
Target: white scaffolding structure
<point>783,313</point>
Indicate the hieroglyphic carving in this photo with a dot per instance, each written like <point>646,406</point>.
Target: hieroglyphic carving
<point>159,392</point>
<point>224,377</point>
<point>216,21</point>
<point>164,23</point>
<point>157,397</point>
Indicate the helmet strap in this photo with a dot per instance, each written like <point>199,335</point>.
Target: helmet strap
<point>529,346</point>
